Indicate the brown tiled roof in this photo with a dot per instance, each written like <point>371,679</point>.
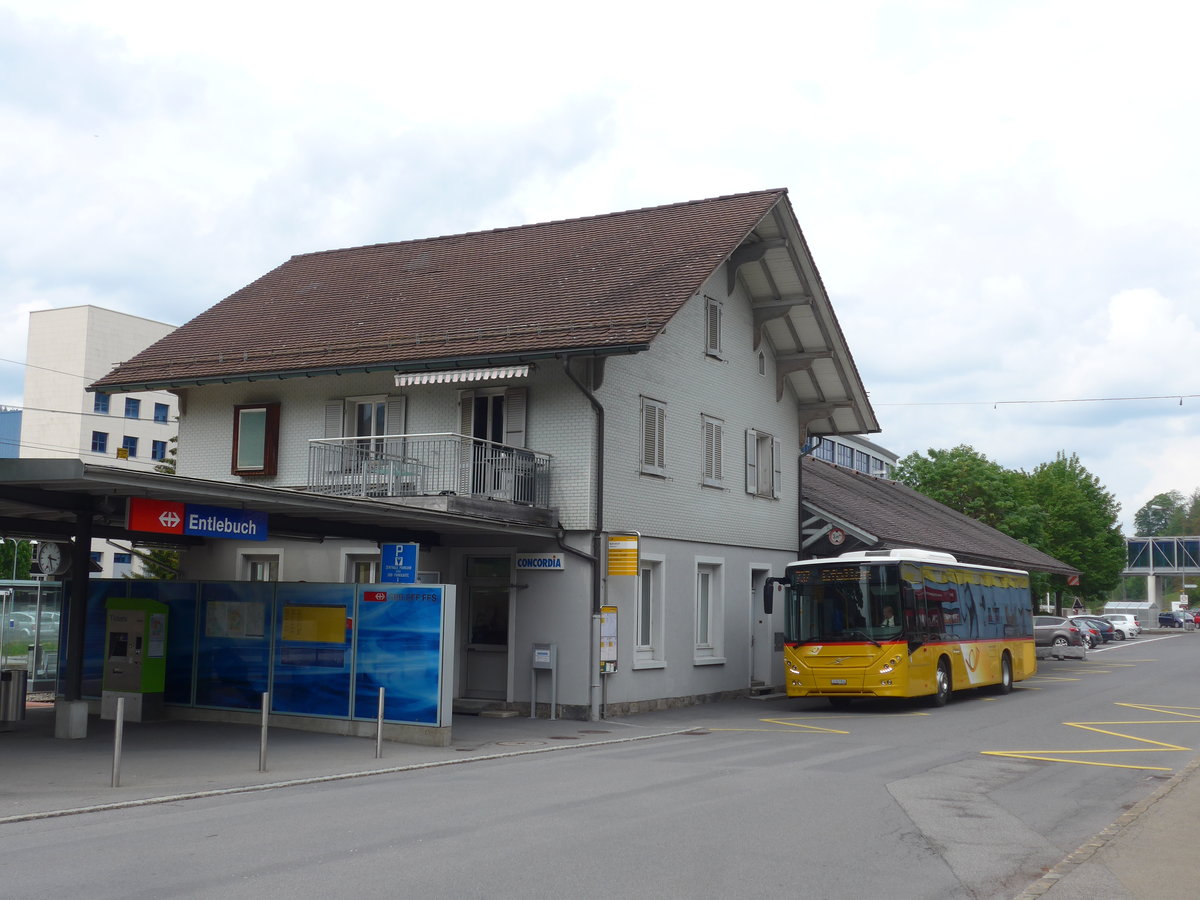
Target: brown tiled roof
<point>601,283</point>
<point>898,516</point>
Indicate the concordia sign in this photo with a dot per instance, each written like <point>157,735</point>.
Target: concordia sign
<point>169,517</point>
<point>548,562</point>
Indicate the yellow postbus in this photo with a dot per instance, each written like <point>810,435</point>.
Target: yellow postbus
<point>902,623</point>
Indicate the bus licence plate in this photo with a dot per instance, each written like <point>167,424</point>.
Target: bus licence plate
<point>837,681</point>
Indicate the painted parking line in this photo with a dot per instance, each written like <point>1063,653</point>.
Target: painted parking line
<point>1176,715</point>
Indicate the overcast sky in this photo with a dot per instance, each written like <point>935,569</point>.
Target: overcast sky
<point>1001,197</point>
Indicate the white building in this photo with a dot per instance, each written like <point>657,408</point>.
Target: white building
<point>68,349</point>
<point>537,393</point>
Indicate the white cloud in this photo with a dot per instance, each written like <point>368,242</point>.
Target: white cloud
<point>999,196</point>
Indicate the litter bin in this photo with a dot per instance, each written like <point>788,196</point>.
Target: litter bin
<point>1189,625</point>
<point>13,687</point>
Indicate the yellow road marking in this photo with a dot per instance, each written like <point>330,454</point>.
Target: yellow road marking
<point>1184,715</point>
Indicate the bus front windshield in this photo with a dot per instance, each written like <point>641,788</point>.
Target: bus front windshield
<point>844,602</point>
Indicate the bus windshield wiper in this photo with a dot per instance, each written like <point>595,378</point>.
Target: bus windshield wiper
<point>865,635</point>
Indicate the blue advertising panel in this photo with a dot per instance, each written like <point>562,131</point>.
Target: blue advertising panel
<point>312,653</point>
<point>398,563</point>
<point>399,643</point>
<point>233,647</point>
<point>321,649</point>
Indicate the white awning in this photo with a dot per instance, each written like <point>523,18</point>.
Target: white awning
<point>462,376</point>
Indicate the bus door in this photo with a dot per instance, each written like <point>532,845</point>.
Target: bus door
<point>919,626</point>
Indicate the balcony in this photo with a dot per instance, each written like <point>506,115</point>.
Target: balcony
<point>464,474</point>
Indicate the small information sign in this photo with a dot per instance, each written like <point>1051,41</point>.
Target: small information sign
<point>398,563</point>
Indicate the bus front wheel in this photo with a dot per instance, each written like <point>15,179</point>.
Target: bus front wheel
<point>1006,677</point>
<point>943,687</point>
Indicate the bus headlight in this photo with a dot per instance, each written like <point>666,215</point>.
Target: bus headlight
<point>889,666</point>
<point>792,667</point>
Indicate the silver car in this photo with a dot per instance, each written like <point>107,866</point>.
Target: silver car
<point>1126,625</point>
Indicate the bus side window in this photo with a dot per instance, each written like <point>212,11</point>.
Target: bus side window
<point>912,606</point>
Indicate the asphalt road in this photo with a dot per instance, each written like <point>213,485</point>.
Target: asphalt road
<point>788,798</point>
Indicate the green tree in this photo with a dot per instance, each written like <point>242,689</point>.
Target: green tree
<point>24,552</point>
<point>1190,524</point>
<point>966,480</point>
<point>1080,524</point>
<point>1162,514</point>
<point>157,565</point>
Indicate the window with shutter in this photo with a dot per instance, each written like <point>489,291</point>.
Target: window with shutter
<point>764,464</point>
<point>712,330</point>
<point>654,418</point>
<point>713,451</point>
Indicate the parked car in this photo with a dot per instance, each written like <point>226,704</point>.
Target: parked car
<point>1105,627</point>
<point>20,626</point>
<point>1088,630</point>
<point>1174,619</point>
<point>1055,631</point>
<point>1126,625</point>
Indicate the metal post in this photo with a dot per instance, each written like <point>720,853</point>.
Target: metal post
<point>379,728</point>
<point>533,692</point>
<point>262,744</point>
<point>118,734</point>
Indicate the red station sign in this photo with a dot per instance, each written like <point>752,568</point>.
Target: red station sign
<point>161,516</point>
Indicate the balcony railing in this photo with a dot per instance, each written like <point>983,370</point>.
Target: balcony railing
<point>425,465</point>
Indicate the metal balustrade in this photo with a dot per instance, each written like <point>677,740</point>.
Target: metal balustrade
<point>424,465</point>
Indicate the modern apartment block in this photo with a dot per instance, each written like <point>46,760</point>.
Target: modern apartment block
<point>69,348</point>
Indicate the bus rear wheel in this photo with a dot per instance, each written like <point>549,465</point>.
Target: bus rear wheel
<point>941,694</point>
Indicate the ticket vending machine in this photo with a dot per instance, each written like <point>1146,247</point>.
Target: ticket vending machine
<point>135,658</point>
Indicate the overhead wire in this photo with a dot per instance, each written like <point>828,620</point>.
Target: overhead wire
<point>996,403</point>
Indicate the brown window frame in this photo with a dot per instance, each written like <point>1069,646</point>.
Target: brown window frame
<point>270,440</point>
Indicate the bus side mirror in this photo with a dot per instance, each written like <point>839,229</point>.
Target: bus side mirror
<point>769,594</point>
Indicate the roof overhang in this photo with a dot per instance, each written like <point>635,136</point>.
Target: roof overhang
<point>793,314</point>
<point>428,365</point>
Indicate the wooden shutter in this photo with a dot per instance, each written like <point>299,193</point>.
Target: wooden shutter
<point>466,426</point>
<point>515,403</point>
<point>335,419</point>
<point>394,425</point>
<point>777,456</point>
<point>654,457</point>
<point>333,456</point>
<point>751,461</point>
<point>713,326</point>
<point>712,450</point>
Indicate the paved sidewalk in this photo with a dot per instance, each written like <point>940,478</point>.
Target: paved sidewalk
<point>1144,855</point>
<point>42,776</point>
